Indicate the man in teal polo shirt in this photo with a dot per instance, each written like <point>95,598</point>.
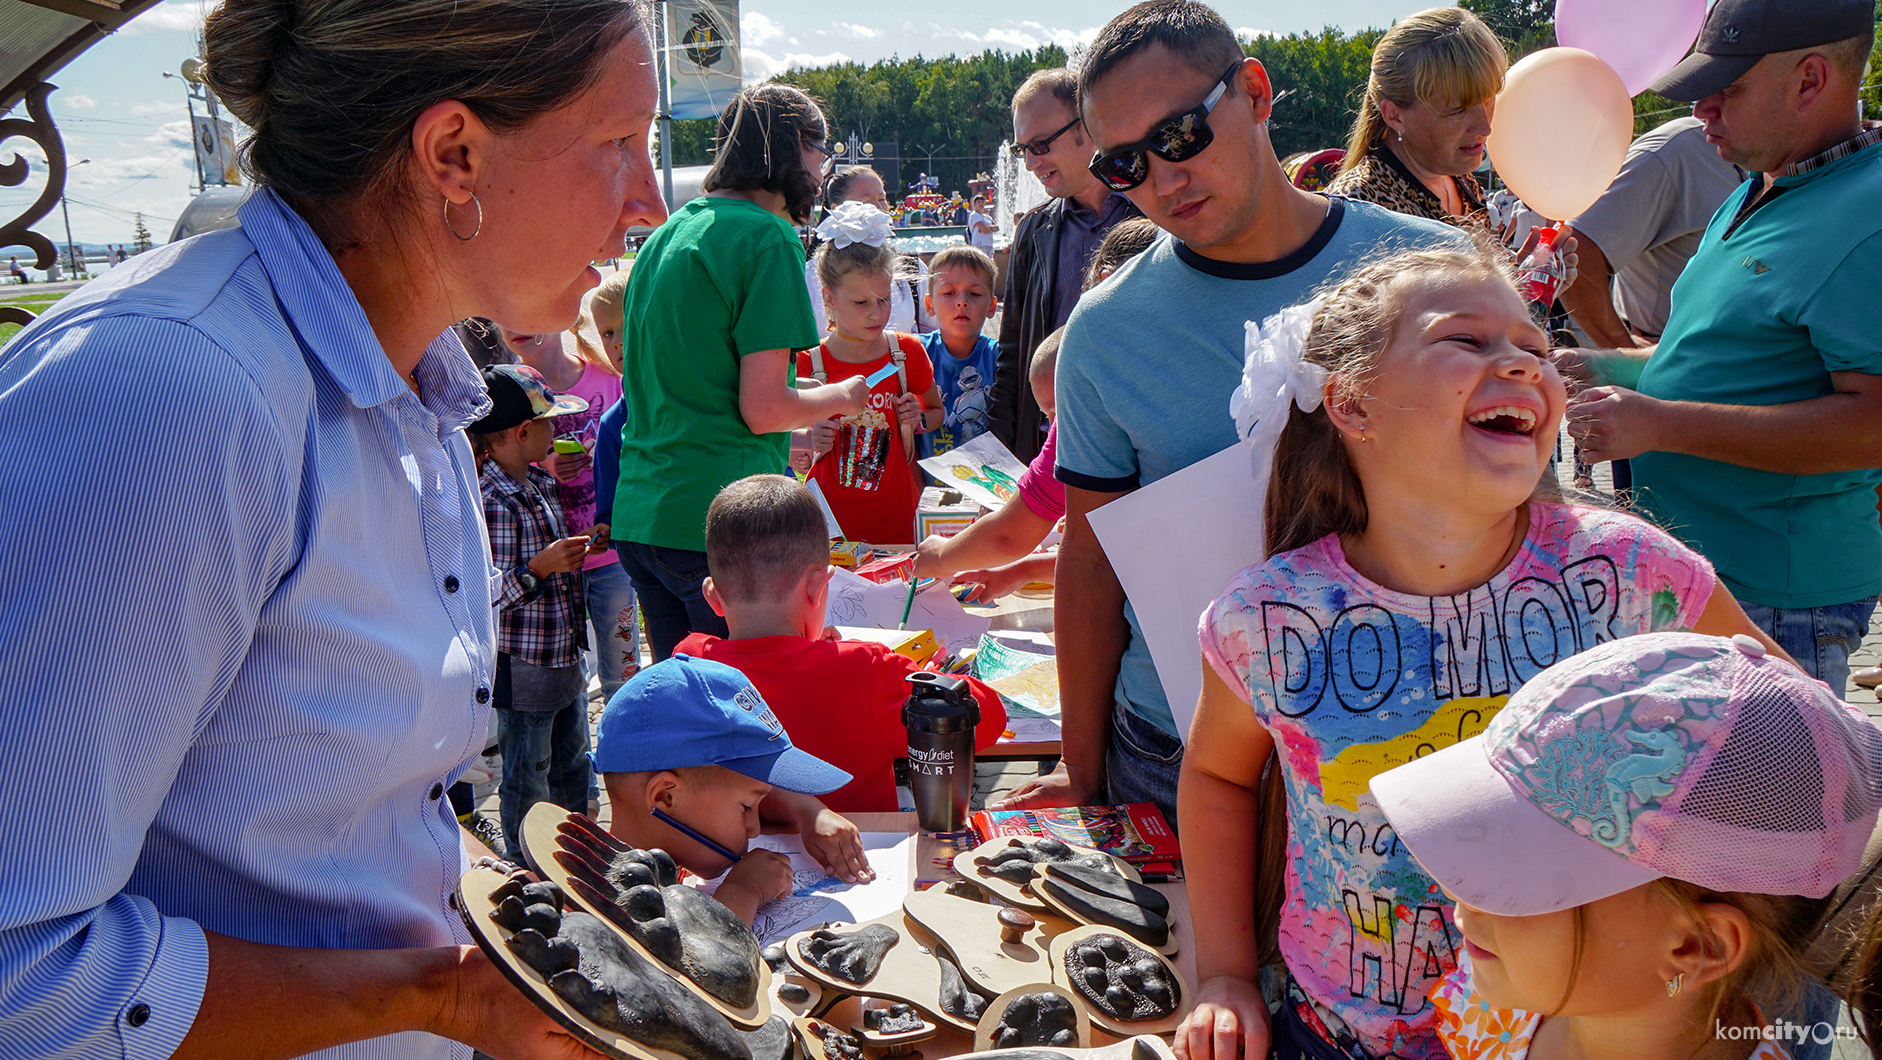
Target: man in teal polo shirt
<point>1755,426</point>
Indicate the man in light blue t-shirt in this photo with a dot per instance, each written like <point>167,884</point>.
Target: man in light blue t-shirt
<point>1151,355</point>
<point>1752,424</point>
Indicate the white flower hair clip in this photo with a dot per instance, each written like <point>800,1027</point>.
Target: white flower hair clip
<point>1275,376</point>
<point>856,222</point>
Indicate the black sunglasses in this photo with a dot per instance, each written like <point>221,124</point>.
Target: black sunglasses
<point>1178,139</point>
<point>1040,147</point>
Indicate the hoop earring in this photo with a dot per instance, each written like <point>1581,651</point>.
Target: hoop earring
<point>453,228</point>
<point>1675,985</point>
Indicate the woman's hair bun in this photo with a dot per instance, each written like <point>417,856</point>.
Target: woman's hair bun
<point>331,87</point>
<point>241,40</point>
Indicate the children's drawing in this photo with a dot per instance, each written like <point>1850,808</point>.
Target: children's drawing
<point>981,469</point>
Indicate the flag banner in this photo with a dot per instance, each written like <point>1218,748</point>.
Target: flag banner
<point>702,56</point>
<point>215,151</point>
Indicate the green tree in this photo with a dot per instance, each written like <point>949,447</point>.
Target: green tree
<point>1324,77</point>
<point>1524,26</point>
<point>140,235</point>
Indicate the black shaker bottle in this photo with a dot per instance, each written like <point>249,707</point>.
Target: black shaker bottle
<point>940,715</point>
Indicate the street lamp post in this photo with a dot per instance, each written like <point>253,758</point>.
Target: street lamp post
<point>71,253</point>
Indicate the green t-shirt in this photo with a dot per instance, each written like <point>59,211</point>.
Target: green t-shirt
<point>722,278</point>
<point>1762,316</point>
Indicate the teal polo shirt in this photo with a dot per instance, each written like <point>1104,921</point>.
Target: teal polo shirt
<point>1766,309</point>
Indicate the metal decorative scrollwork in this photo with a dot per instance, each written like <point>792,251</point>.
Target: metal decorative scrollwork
<point>38,128</point>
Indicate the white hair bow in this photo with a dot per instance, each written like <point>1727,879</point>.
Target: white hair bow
<point>856,222</point>
<point>1275,376</point>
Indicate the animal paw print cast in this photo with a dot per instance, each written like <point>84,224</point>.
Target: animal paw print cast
<point>853,957</point>
<point>606,980</point>
<point>1037,1019</point>
<point>1016,864</point>
<point>684,928</point>
<point>1122,979</point>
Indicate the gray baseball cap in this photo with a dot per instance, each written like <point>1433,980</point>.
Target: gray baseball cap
<point>1737,33</point>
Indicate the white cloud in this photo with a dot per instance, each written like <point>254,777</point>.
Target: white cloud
<point>760,66</point>
<point>1249,33</point>
<point>79,102</point>
<point>856,32</point>
<point>148,108</point>
<point>755,28</point>
<point>184,16</point>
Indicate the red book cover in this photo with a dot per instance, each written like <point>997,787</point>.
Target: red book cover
<point>895,567</point>
<point>1135,832</point>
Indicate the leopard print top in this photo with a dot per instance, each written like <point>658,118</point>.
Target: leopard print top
<point>1380,178</point>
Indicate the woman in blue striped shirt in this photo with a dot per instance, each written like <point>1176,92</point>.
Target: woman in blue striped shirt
<point>229,710</point>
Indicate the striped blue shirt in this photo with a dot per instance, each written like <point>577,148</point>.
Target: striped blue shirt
<point>245,636</point>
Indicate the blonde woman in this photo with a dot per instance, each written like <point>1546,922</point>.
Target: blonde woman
<point>1421,131</point>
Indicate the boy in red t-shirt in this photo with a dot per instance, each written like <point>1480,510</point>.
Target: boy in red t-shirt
<point>769,554</point>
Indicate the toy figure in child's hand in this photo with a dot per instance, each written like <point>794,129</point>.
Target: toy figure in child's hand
<point>684,928</point>
<point>600,976</point>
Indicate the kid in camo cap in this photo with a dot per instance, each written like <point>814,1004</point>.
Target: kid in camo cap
<point>688,750</point>
<point>1639,845</point>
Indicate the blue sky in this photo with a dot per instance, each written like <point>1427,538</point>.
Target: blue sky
<point>116,108</point>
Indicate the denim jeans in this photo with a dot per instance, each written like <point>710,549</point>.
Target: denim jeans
<point>1141,763</point>
<point>1819,638</point>
<point>668,581</point>
<point>545,758</point>
<point>614,621</point>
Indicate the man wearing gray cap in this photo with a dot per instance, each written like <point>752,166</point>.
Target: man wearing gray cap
<point>1755,425</point>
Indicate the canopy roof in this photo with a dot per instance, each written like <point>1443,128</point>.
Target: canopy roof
<point>38,37</point>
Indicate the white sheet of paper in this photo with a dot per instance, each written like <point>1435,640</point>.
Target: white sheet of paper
<point>1174,544</point>
<point>968,468</point>
<point>857,601</point>
<point>1033,730</point>
<point>829,517</point>
<point>937,609</point>
<point>817,897</point>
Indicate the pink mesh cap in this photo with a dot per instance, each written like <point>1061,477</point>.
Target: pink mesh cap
<point>1668,754</point>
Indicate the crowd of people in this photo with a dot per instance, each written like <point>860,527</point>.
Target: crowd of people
<point>1479,768</point>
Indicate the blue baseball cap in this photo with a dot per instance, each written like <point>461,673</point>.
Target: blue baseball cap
<point>694,712</point>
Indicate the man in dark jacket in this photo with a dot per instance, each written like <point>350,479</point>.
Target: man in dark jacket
<point>1051,247</point>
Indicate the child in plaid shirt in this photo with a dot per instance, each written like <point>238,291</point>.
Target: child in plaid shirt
<point>542,716</point>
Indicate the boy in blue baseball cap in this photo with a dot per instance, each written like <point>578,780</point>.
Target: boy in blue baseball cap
<point>688,751</point>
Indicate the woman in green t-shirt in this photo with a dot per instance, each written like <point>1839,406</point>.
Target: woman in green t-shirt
<point>714,314</point>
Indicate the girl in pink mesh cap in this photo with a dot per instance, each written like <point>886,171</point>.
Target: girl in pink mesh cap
<point>1640,846</point>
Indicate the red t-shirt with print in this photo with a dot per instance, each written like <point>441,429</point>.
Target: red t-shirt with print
<point>841,700</point>
<point>867,476</point>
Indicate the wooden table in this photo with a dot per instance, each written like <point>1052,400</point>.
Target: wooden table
<point>950,1041</point>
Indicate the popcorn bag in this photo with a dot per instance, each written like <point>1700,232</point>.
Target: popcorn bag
<point>862,448</point>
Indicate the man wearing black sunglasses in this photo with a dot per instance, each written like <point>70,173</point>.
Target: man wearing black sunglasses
<point>1051,246</point>
<point>1177,118</point>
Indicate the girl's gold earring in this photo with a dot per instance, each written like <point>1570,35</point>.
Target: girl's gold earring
<point>1675,984</point>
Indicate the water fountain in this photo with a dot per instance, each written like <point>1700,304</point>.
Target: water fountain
<point>1016,191</point>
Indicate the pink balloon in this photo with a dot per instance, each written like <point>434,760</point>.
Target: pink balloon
<point>1640,39</point>
<point>1561,130</point>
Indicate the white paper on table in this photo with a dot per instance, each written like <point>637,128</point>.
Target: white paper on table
<point>857,601</point>
<point>829,517</point>
<point>936,608</point>
<point>817,897</point>
<point>1174,545</point>
<point>982,470</point>
<point>1033,730</point>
